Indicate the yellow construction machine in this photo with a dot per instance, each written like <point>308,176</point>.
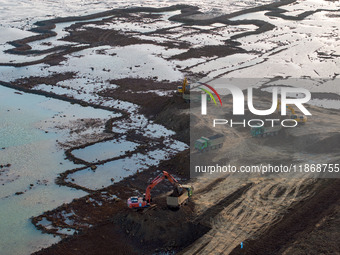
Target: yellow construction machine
<point>182,89</point>
<point>301,119</point>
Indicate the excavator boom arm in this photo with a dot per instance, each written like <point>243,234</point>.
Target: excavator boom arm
<point>288,107</point>
<point>185,83</point>
<point>291,109</point>
<point>157,180</point>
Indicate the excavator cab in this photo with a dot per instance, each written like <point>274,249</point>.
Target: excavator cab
<point>302,119</point>
<point>137,202</point>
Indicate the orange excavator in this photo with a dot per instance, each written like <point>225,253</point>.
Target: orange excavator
<point>143,202</point>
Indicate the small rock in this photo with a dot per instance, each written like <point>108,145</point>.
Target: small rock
<point>93,167</point>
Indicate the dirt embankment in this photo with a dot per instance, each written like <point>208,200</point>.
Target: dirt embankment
<point>156,230</point>
<point>309,227</point>
<point>168,111</point>
<point>209,51</point>
<point>30,82</point>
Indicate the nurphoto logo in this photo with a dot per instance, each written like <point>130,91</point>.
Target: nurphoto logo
<point>282,104</point>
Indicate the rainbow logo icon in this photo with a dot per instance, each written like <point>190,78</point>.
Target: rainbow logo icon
<point>209,93</point>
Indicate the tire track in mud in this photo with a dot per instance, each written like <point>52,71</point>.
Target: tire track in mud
<point>306,213</point>
<point>205,218</point>
<point>211,212</point>
<point>261,205</point>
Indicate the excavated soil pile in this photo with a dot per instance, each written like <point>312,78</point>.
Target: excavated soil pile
<point>161,227</point>
<point>130,230</point>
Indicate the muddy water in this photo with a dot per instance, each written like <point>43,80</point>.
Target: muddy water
<point>35,162</point>
<point>104,150</point>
